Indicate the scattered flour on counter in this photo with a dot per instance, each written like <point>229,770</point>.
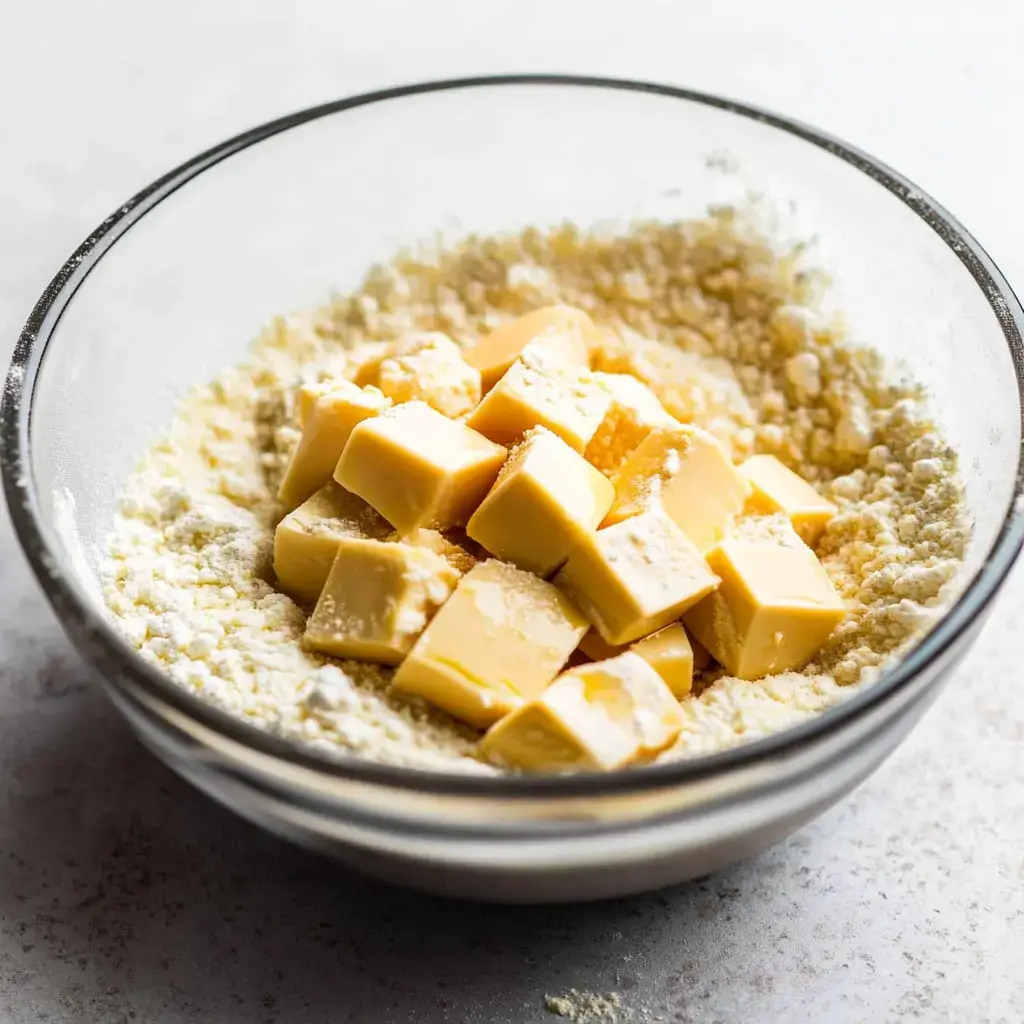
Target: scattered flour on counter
<point>704,313</point>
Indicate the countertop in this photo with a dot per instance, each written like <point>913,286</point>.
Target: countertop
<point>126,896</point>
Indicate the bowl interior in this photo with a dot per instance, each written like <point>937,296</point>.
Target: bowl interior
<point>280,224</point>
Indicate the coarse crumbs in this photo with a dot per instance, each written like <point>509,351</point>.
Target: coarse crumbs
<point>705,313</point>
<point>429,367</point>
<point>586,1007</point>
<point>633,412</point>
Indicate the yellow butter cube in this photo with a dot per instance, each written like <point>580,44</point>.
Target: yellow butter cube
<point>775,608</point>
<point>597,650</point>
<point>500,639</point>
<point>776,488</point>
<point>545,500</point>
<point>329,421</point>
<point>418,468</point>
<point>366,372</point>
<point>633,413</point>
<point>307,539</point>
<point>309,395</point>
<point>570,404</point>
<point>632,578</point>
<point>687,473</point>
<point>430,367</point>
<point>600,716</point>
<point>670,654</point>
<point>669,651</point>
<point>561,331</point>
<point>377,600</point>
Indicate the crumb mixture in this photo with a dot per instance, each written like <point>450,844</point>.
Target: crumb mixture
<point>586,1007</point>
<point>705,313</point>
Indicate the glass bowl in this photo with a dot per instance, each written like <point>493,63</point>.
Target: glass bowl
<point>171,288</point>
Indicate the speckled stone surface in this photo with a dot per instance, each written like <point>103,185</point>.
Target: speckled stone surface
<point>125,896</point>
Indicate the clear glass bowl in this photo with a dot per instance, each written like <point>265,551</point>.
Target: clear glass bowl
<point>170,289</point>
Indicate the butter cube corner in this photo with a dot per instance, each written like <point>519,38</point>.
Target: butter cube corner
<point>597,649</point>
<point>418,468</point>
<point>776,488</point>
<point>557,333</point>
<point>546,499</point>
<point>364,369</point>
<point>633,413</point>
<point>501,637</point>
<point>670,653</point>
<point>774,609</point>
<point>329,416</point>
<point>308,395</point>
<point>307,539</point>
<point>568,402</point>
<point>636,576</point>
<point>687,473</point>
<point>378,598</point>
<point>601,716</point>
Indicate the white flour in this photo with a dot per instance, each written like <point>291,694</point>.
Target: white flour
<point>711,320</point>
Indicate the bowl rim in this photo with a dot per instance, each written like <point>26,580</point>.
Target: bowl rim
<point>106,648</point>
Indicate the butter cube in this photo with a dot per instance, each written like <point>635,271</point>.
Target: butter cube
<point>366,369</point>
<point>429,367</point>
<point>545,500</point>
<point>562,331</point>
<point>669,652</point>
<point>570,404</point>
<point>419,469</point>
<point>329,421</point>
<point>633,413</point>
<point>775,608</point>
<point>597,650</point>
<point>500,639</point>
<point>307,539</point>
<point>632,578</point>
<point>693,388</point>
<point>377,600</point>
<point>600,716</point>
<point>776,488</point>
<point>309,395</point>
<point>687,473</point>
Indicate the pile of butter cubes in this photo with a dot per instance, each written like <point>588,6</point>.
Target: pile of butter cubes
<point>484,517</point>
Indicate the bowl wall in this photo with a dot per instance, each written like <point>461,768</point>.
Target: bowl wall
<point>174,287</point>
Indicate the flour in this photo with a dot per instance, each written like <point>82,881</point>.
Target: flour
<point>706,315</point>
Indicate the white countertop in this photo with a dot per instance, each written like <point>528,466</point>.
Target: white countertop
<point>125,896</point>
